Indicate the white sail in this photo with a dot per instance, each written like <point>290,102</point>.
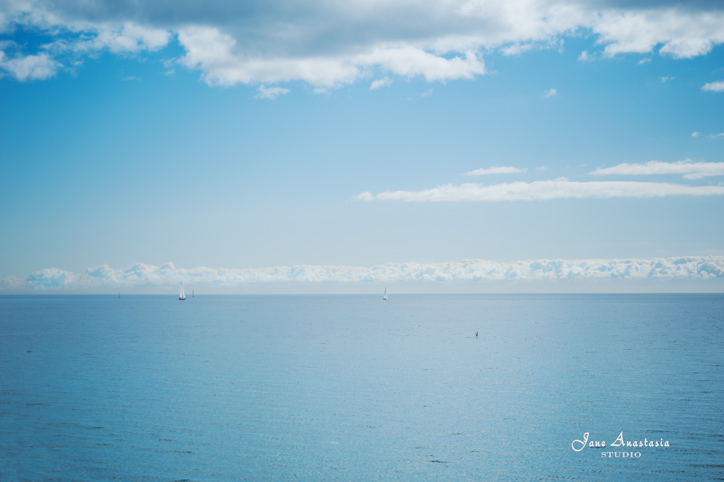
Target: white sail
<point>384,297</point>
<point>182,295</point>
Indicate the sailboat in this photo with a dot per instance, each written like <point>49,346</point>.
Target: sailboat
<point>192,294</point>
<point>119,294</point>
<point>182,295</point>
<point>384,297</point>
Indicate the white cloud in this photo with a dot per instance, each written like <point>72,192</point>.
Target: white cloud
<point>130,78</point>
<point>584,56</point>
<point>714,86</point>
<point>427,93</point>
<point>543,190</point>
<point>471,270</point>
<point>410,61</point>
<point>687,168</point>
<point>666,79</point>
<point>549,93</point>
<point>715,136</point>
<point>643,61</point>
<point>541,168</point>
<point>29,67</point>
<point>129,37</point>
<point>124,38</point>
<point>270,93</point>
<point>74,38</point>
<point>682,33</point>
<point>522,47</point>
<point>494,170</point>
<point>330,44</point>
<point>218,56</point>
<point>12,283</point>
<point>695,134</point>
<point>383,82</point>
<point>50,278</point>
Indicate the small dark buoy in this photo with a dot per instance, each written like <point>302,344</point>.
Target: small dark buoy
<point>476,334</point>
<point>29,351</point>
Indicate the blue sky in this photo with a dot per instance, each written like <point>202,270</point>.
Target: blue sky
<point>145,133</point>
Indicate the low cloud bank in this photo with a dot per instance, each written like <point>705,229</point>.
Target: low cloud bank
<point>688,168</point>
<point>543,190</point>
<point>471,270</point>
<point>495,170</point>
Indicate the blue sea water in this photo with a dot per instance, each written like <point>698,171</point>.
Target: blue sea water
<point>221,388</point>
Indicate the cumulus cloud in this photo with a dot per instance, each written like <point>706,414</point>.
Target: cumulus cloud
<point>695,134</point>
<point>330,44</point>
<point>549,93</point>
<point>543,190</point>
<point>50,278</point>
<point>29,67</point>
<point>223,62</point>
<point>687,168</point>
<point>681,33</point>
<point>714,86</point>
<point>471,270</point>
<point>270,92</point>
<point>584,56</point>
<point>494,170</point>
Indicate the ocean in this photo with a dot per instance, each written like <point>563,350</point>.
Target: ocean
<point>353,388</point>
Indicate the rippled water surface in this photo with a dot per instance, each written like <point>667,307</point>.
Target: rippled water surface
<point>353,388</point>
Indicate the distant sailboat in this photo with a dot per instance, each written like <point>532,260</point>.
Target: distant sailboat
<point>384,297</point>
<point>182,295</point>
<point>192,294</point>
<point>119,294</point>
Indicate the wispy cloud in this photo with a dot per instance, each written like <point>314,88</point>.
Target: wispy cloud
<point>427,93</point>
<point>666,79</point>
<point>584,56</point>
<point>125,79</point>
<point>270,92</point>
<point>687,168</point>
<point>643,61</point>
<point>494,170</point>
<point>549,93</point>
<point>384,82</point>
<point>543,190</point>
<point>695,134</point>
<point>714,86</point>
<point>470,270</point>
<point>519,48</point>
